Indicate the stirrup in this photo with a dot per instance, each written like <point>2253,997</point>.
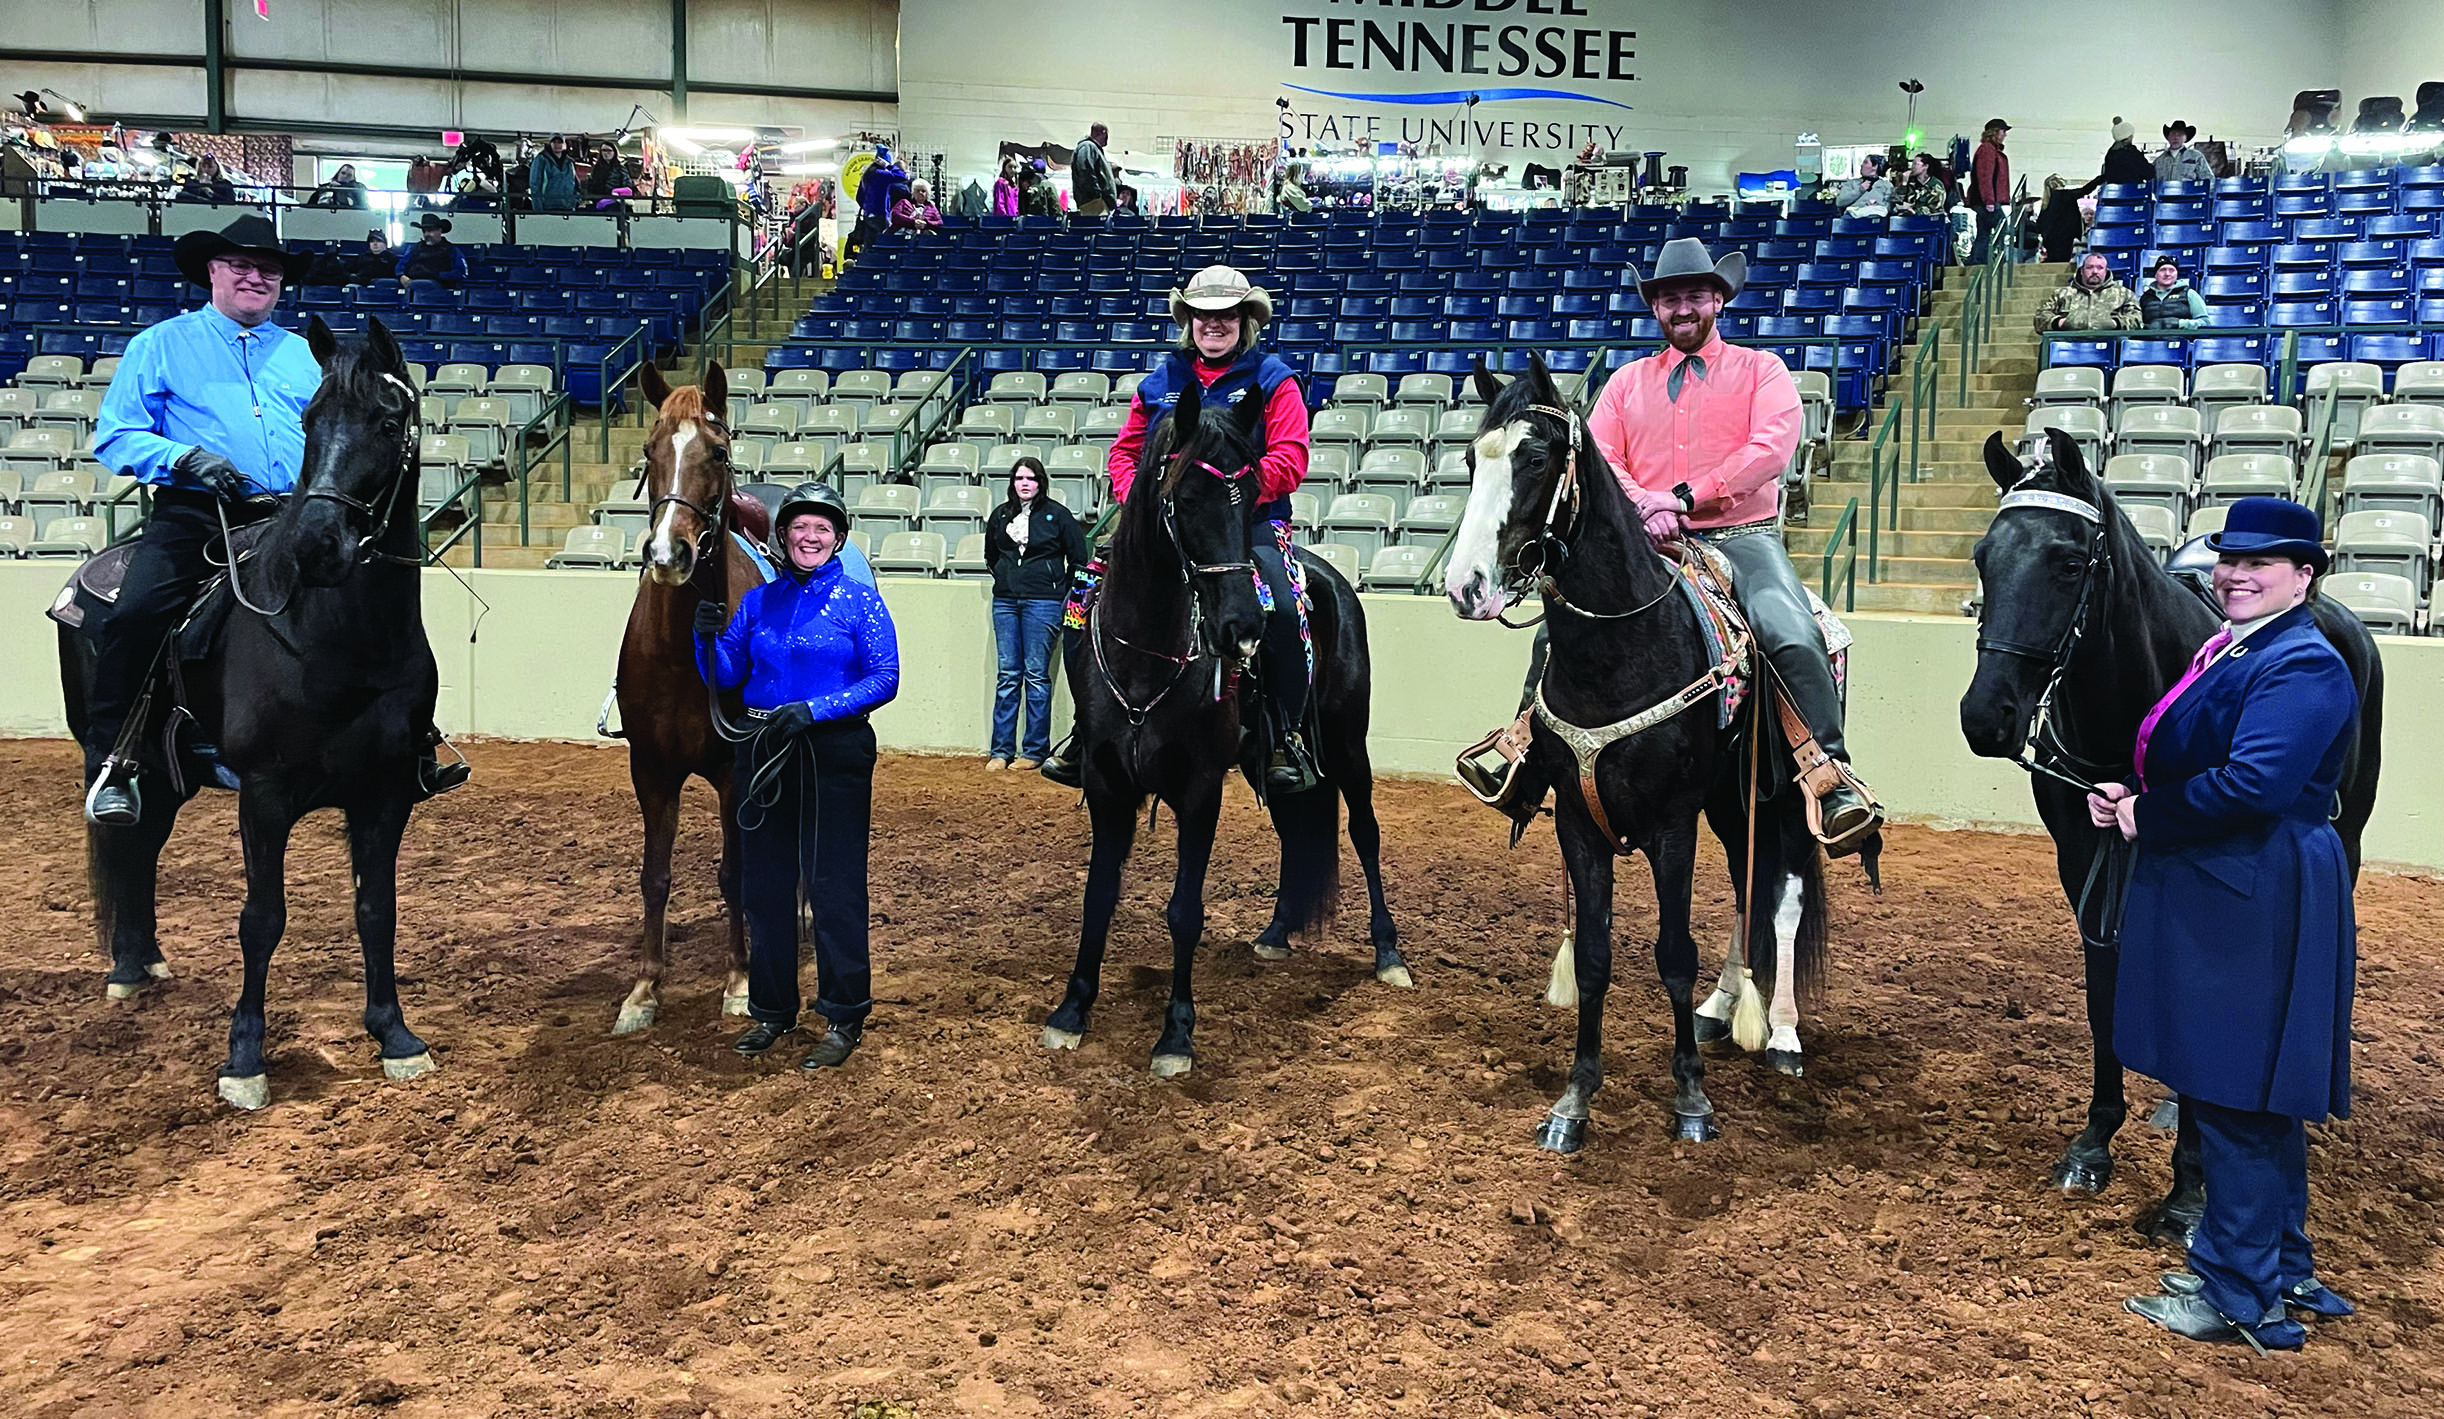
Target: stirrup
<point>1291,769</point>
<point>434,778</point>
<point>1820,777</point>
<point>111,815</point>
<point>1497,785</point>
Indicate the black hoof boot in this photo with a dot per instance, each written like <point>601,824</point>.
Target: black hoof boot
<point>2082,1171</point>
<point>1561,1134</point>
<point>1695,1128</point>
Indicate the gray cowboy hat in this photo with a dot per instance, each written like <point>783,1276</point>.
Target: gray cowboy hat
<point>1685,257</point>
<point>254,235</point>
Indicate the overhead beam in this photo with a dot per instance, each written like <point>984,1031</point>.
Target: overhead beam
<point>678,61</point>
<point>216,84</point>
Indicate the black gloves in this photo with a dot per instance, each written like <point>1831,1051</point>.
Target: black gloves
<point>791,720</point>
<point>219,476</point>
<point>711,619</point>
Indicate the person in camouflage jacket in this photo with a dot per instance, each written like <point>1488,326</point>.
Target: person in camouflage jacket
<point>2091,300</point>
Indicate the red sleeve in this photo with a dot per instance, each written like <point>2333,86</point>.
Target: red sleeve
<point>1121,463</point>
<point>1285,443</point>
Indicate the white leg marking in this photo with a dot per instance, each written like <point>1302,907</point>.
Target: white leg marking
<point>1471,580</point>
<point>1784,1015</point>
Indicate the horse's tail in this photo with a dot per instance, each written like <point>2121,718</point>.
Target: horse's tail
<point>98,885</point>
<point>1310,827</point>
<point>75,665</point>
<point>1793,854</point>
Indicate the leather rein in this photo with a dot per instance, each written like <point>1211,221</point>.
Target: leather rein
<point>1194,616</point>
<point>1550,553</point>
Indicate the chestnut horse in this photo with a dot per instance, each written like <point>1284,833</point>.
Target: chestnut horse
<point>666,714</point>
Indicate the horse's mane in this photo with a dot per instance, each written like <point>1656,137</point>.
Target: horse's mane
<point>352,373</point>
<point>685,402</point>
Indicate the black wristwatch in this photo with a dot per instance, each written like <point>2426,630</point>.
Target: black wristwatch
<point>1688,499</point>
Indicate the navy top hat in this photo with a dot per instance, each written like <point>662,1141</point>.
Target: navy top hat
<point>2275,527</point>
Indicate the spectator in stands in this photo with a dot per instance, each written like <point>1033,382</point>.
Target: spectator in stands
<point>1221,314</point>
<point>2093,299</point>
<point>432,256</point>
<point>1036,197</point>
<point>373,265</point>
<point>1869,194</point>
<point>816,653</point>
<point>1005,189</point>
<point>915,212</point>
<point>2239,946</point>
<point>551,179</point>
<point>2060,222</point>
<point>1128,202</point>
<point>1989,185</point>
<point>424,178</point>
<point>2179,162</point>
<point>2169,303</point>
<point>1032,544</point>
<point>208,408</point>
<point>342,193</point>
<point>1290,196</point>
<point>878,195</point>
<point>2124,164</point>
<point>208,183</point>
<point>1926,190</point>
<point>1091,183</point>
<point>607,177</point>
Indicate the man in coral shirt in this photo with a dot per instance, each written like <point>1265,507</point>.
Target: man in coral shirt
<point>1698,435</point>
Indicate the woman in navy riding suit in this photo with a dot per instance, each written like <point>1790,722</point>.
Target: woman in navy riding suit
<point>2239,947</point>
<point>817,653</point>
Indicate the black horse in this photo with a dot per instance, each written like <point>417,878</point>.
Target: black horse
<point>1175,622</point>
<point>1627,653</point>
<point>2080,632</point>
<point>318,694</point>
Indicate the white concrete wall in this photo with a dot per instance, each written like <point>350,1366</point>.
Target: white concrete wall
<point>1722,89</point>
<point>2388,47</point>
<point>542,658</point>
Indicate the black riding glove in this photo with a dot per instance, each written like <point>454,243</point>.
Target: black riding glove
<point>791,720</point>
<point>219,476</point>
<point>712,618</point>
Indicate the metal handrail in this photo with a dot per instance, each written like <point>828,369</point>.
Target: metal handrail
<point>608,391</point>
<point>1925,390</point>
<point>1886,436</point>
<point>2319,450</point>
<point>523,458</point>
<point>474,483</point>
<point>1843,536</point>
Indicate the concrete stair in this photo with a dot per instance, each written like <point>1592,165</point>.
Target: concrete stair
<point>1922,549</point>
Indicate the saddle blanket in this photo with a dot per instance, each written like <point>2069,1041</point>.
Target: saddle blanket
<point>1706,579</point>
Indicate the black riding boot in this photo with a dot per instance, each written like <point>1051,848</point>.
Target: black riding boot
<point>1786,630</point>
<point>434,777</point>
<point>1291,766</point>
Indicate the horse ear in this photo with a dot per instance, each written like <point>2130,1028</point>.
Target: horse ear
<point>650,380</point>
<point>1542,374</point>
<point>387,355</point>
<point>321,341</point>
<point>2001,464</point>
<point>1487,385</point>
<point>2070,465</point>
<point>1250,408</point>
<point>716,386</point>
<point>1184,415</point>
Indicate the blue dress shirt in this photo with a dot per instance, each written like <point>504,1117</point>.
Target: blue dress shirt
<point>201,380</point>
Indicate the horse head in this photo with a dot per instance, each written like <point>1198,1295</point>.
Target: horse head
<point>2042,567</point>
<point>1208,490</point>
<point>687,476</point>
<point>360,453</point>
<point>1517,464</point>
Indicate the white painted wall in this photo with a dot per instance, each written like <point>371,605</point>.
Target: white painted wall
<point>1723,89</point>
<point>2389,47</point>
<point>807,44</point>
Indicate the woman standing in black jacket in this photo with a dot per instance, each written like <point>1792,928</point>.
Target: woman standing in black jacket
<point>1031,543</point>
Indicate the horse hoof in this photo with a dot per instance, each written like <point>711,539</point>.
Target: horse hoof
<point>2077,1175</point>
<point>734,1004</point>
<point>158,970</point>
<point>1063,1039</point>
<point>632,1018</point>
<point>1695,1128</point>
<point>1712,1032</point>
<point>120,990</point>
<point>2173,1222</point>
<point>1171,1066</point>
<point>415,1066</point>
<point>1266,952</point>
<point>1786,1061</point>
<point>1561,1134</point>
<point>1396,975</point>
<point>250,1093</point>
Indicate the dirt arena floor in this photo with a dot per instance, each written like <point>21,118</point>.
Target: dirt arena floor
<point>1339,1213</point>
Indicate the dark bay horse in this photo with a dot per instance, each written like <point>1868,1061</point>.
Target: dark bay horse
<point>665,713</point>
<point>318,695</point>
<point>1545,514</point>
<point>2080,632</point>
<point>1174,622</point>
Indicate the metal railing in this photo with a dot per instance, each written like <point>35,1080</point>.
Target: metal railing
<point>609,391</point>
<point>1844,539</point>
<point>521,456</point>
<point>1884,456</point>
<point>2317,453</point>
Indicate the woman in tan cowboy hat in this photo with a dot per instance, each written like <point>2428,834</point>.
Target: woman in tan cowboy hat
<point>1220,314</point>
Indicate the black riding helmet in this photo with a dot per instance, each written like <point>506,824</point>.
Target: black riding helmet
<point>818,498</point>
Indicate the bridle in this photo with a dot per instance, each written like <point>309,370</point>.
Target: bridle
<point>710,523</point>
<point>411,434</point>
<point>2043,752</point>
<point>1194,616</point>
<point>1538,564</point>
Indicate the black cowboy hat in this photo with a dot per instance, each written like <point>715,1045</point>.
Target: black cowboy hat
<point>251,234</point>
<point>2186,130</point>
<point>432,222</point>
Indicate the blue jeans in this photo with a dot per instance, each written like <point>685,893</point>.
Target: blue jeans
<point>1022,634</point>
